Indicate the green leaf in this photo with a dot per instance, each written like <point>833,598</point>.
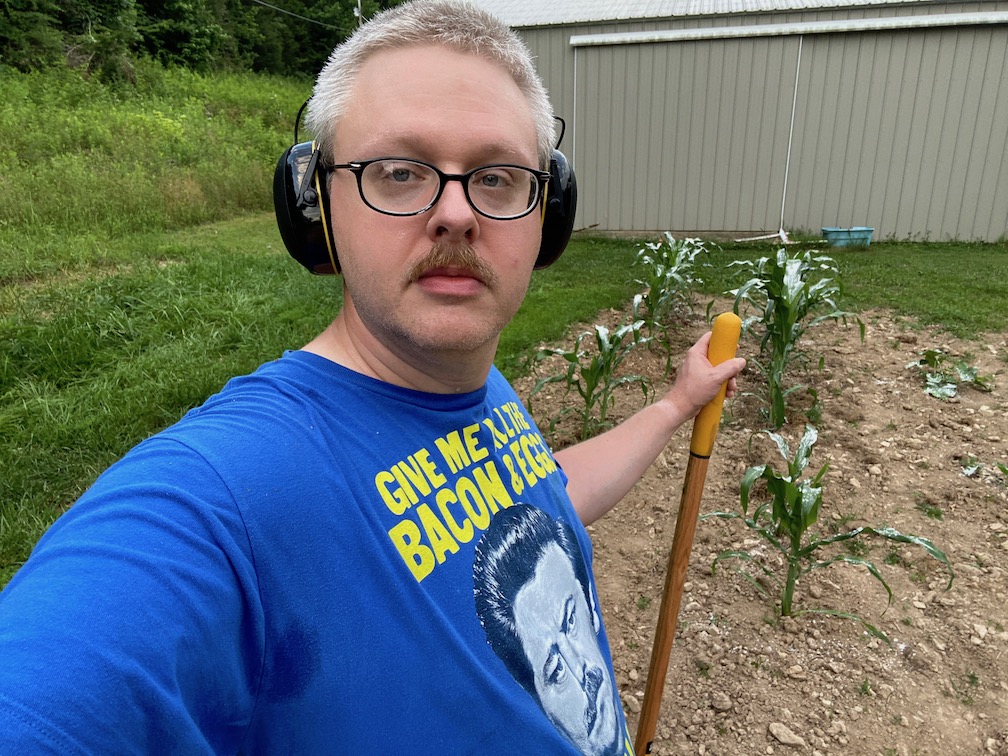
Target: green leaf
<point>892,535</point>
<point>938,387</point>
<point>804,450</point>
<point>748,478</point>
<point>810,500</point>
<point>782,444</point>
<point>872,630</point>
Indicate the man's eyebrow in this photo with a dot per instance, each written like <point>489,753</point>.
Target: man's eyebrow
<point>419,147</point>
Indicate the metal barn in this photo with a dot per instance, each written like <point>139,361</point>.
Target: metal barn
<point>745,117</point>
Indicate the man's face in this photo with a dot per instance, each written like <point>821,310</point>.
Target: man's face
<point>571,677</point>
<point>457,112</point>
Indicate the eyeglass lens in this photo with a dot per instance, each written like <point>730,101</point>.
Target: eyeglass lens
<point>403,186</point>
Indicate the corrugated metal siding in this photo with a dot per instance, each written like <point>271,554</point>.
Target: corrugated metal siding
<point>905,131</point>
<point>531,13</point>
<point>665,151</point>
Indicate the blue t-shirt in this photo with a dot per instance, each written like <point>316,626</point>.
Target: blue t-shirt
<point>316,562</point>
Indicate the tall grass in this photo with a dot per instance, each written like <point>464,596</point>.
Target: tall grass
<point>83,163</point>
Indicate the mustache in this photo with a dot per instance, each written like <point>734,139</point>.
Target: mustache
<point>593,683</point>
<point>461,256</point>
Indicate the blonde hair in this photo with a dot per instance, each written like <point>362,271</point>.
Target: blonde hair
<point>454,24</point>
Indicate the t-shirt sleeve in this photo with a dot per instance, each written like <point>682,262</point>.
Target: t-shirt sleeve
<point>135,626</point>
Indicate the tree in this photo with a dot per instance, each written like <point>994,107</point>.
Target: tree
<point>103,37</point>
<point>243,34</point>
<point>100,36</point>
<point>29,34</point>
<point>180,32</point>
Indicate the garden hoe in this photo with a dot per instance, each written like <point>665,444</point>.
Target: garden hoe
<point>723,344</point>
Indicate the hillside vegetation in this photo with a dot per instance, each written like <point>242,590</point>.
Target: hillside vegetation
<point>84,164</point>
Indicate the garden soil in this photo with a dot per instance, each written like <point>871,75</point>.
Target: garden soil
<point>743,680</point>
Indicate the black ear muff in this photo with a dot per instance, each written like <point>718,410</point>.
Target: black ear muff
<point>558,214</point>
<point>301,203</point>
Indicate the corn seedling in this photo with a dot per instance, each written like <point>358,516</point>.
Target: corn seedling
<point>669,277</point>
<point>942,380</point>
<point>791,295</point>
<point>593,372</point>
<point>970,466</point>
<point>785,519</point>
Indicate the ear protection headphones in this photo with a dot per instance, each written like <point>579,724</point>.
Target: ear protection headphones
<point>301,203</point>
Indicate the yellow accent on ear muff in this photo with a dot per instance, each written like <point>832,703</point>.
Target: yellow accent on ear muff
<point>323,194</point>
<point>542,202</point>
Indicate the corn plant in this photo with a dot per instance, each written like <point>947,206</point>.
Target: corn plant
<point>592,373</point>
<point>785,518</point>
<point>941,380</point>
<point>669,278</point>
<point>791,295</point>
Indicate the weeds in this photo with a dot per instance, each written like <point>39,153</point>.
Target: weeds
<point>928,509</point>
<point>942,380</point>
<point>970,466</point>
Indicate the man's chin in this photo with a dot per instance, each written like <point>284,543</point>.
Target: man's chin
<point>452,330</point>
<point>606,738</point>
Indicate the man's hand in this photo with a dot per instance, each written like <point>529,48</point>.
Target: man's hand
<point>602,469</point>
<point>697,381</point>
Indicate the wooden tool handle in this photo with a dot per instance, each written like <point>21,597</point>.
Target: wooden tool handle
<point>723,345</point>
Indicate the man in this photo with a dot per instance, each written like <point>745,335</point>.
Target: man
<point>289,568</point>
<point>534,600</point>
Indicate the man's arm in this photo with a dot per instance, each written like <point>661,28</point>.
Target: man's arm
<point>135,624</point>
<point>603,469</point>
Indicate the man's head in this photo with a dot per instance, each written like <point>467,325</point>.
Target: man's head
<point>456,26</point>
<point>534,601</point>
<point>434,130</point>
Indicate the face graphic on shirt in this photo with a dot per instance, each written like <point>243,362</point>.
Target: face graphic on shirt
<point>534,600</point>
<point>555,627</point>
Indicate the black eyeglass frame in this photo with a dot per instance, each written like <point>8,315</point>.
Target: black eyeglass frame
<point>357,168</point>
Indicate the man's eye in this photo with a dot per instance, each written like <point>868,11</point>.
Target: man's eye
<point>400,174</point>
<point>556,670</point>
<point>494,179</point>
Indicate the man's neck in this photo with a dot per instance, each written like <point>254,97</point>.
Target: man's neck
<point>349,343</point>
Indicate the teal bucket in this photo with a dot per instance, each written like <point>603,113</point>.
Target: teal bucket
<point>855,236</point>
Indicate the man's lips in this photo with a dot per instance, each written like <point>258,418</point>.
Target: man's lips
<point>445,262</point>
<point>451,281</point>
<point>452,272</point>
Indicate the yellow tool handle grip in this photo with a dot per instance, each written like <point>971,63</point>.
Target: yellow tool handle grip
<point>723,345</point>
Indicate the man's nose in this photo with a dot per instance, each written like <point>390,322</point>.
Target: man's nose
<point>452,217</point>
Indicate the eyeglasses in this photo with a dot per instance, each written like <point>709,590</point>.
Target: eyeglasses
<point>399,186</point>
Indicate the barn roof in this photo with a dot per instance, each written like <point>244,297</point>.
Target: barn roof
<point>523,13</point>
